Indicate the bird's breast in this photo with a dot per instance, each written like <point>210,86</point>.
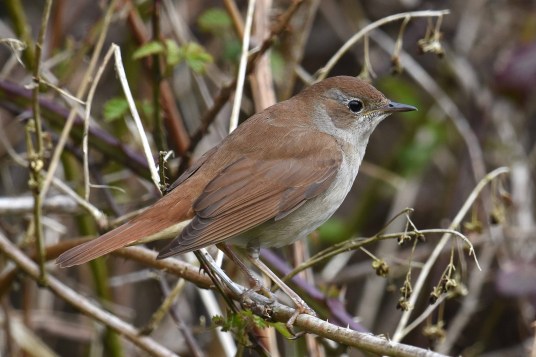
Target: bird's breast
<point>309,216</point>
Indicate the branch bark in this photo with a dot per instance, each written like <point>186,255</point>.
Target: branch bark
<point>259,304</point>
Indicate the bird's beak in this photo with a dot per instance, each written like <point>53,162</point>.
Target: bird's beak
<point>398,107</point>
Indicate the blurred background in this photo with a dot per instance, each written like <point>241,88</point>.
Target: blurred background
<point>471,73</point>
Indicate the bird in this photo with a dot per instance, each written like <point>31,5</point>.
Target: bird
<point>275,179</point>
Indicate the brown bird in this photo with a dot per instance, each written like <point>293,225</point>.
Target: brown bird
<point>275,179</point>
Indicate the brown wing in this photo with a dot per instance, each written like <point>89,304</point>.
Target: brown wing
<point>250,192</point>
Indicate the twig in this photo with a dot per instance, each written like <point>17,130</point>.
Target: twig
<point>20,22</point>
<point>159,133</point>
<point>450,108</point>
<point>424,315</point>
<point>54,162</point>
<point>97,214</point>
<point>81,303</point>
<point>15,98</point>
<point>87,116</point>
<point>226,91</point>
<point>115,51</point>
<point>185,329</point>
<point>324,71</point>
<point>36,157</point>
<point>22,205</point>
<point>175,124</point>
<point>261,78</point>
<point>471,301</point>
<point>236,19</point>
<point>126,89</point>
<point>399,333</point>
<point>357,243</point>
<point>242,67</point>
<point>165,307</point>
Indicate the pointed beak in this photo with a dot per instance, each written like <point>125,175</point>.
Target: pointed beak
<point>398,107</point>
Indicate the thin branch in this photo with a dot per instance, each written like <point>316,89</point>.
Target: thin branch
<point>242,67</point>
<point>357,243</point>
<point>81,303</point>
<point>87,116</point>
<point>324,71</point>
<point>15,99</point>
<point>226,91</point>
<point>54,162</point>
<point>449,107</point>
<point>36,158</point>
<point>23,205</point>
<point>126,89</point>
<point>175,124</point>
<point>259,304</point>
<point>22,29</point>
<point>97,214</point>
<point>419,284</point>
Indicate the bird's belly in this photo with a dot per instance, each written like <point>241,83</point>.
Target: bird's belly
<point>302,221</point>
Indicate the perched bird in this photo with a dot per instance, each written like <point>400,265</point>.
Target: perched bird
<point>275,179</point>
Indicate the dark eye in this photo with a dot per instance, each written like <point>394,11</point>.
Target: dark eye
<point>355,105</point>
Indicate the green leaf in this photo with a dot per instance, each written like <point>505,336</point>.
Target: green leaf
<point>196,57</point>
<point>149,49</point>
<point>173,53</point>
<point>114,109</point>
<point>214,20</point>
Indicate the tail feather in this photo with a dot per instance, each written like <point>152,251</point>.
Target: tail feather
<point>167,212</point>
<point>113,240</point>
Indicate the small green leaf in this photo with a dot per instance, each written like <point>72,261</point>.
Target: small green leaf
<point>214,20</point>
<point>173,53</point>
<point>114,109</point>
<point>149,49</point>
<point>196,57</point>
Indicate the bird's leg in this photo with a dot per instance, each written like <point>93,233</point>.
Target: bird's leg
<point>301,306</point>
<point>256,284</point>
<point>203,256</point>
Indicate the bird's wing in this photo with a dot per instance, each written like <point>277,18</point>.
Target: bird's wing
<point>249,192</point>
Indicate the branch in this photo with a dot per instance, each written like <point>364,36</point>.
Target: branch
<point>81,303</point>
<point>226,91</point>
<point>324,71</point>
<point>259,304</point>
<point>400,332</point>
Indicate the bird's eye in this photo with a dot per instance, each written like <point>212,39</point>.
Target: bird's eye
<point>355,105</point>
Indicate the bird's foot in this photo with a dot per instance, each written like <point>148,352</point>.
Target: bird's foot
<point>301,308</point>
<point>258,287</point>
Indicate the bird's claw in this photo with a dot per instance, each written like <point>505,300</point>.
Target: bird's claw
<point>301,308</point>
